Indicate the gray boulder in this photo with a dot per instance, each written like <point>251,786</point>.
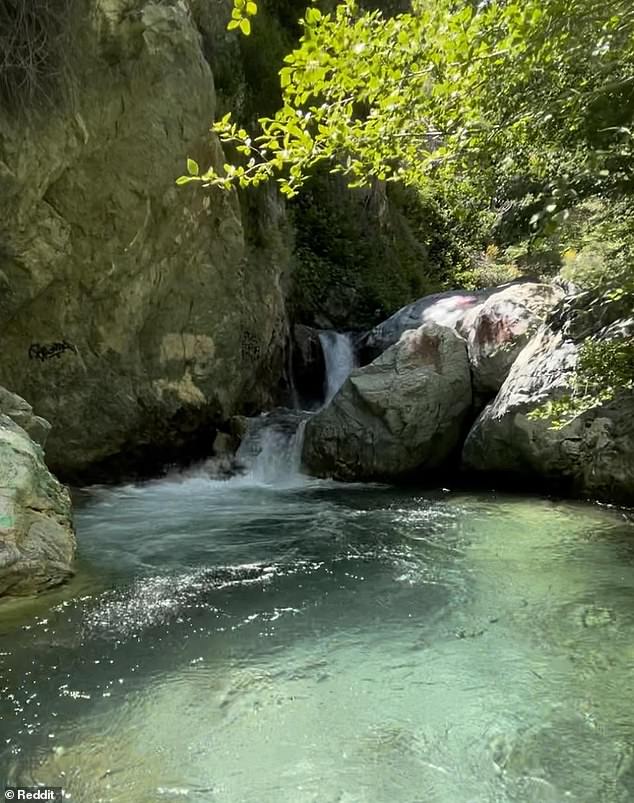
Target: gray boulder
<point>446,309</point>
<point>593,454</point>
<point>497,322</point>
<point>403,412</point>
<point>501,326</point>
<point>37,543</point>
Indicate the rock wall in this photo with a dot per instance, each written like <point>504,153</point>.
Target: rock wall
<point>135,315</point>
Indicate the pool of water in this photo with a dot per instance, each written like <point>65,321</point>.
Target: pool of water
<point>317,643</point>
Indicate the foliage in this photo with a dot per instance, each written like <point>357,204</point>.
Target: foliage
<point>452,91</point>
<point>604,369</point>
<point>593,249</point>
<point>597,246</point>
<point>241,15</point>
<point>362,253</point>
<point>489,268</point>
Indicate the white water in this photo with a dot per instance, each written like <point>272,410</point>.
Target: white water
<point>340,361</point>
<point>271,451</point>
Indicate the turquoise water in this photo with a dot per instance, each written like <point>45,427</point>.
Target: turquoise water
<point>319,643</point>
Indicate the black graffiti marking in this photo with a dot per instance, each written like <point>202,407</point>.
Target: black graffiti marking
<point>45,351</point>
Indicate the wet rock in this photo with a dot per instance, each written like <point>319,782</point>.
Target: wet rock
<point>403,412</point>
<point>308,363</point>
<point>224,444</point>
<point>238,426</point>
<point>37,543</point>
<point>545,763</point>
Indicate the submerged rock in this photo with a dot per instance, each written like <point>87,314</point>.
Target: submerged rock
<point>590,455</point>
<point>37,543</point>
<point>401,413</point>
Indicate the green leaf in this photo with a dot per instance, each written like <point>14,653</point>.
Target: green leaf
<point>252,8</point>
<point>233,24</point>
<point>245,26</point>
<point>192,167</point>
<point>184,179</point>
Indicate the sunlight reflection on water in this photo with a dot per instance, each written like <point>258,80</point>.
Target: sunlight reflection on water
<point>328,643</point>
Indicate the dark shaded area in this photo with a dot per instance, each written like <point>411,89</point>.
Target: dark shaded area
<point>36,48</point>
<point>308,366</point>
<point>150,452</point>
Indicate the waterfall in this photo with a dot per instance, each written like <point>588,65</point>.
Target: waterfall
<point>340,361</point>
<point>271,451</point>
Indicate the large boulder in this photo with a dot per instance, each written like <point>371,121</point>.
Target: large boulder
<point>446,309</point>
<point>500,328</point>
<point>591,455</point>
<point>134,313</point>
<point>402,413</point>
<point>497,322</point>
<point>37,543</point>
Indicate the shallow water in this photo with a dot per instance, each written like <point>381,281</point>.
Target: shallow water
<point>319,643</point>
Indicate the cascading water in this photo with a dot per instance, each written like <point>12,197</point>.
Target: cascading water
<point>340,360</point>
<point>271,450</point>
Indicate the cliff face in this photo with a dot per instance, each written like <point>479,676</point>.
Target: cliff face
<point>138,316</point>
<point>133,313</point>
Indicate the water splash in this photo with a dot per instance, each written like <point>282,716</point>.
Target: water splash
<point>340,360</point>
<point>271,451</point>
